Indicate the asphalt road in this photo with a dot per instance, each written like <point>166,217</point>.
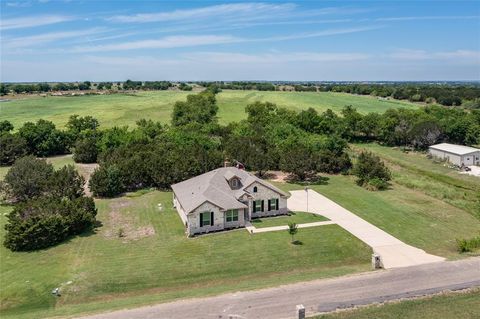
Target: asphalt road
<point>319,295</point>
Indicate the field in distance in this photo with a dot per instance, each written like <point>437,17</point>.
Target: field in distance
<point>126,109</point>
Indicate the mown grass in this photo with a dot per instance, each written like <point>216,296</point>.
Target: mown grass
<point>463,305</point>
<point>107,272</point>
<point>415,171</point>
<point>126,109</point>
<point>408,214</point>
<point>294,217</point>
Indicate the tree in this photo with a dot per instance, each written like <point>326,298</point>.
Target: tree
<point>86,150</point>
<point>292,230</point>
<point>28,178</point>
<point>66,183</point>
<point>297,158</point>
<point>77,124</point>
<point>44,222</point>
<point>12,146</point>
<point>43,139</point>
<point>199,108</point>
<point>5,126</point>
<point>106,181</point>
<point>371,171</point>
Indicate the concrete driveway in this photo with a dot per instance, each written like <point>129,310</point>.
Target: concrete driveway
<point>394,253</point>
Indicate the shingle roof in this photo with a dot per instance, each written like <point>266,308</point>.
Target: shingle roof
<point>455,149</point>
<point>213,187</point>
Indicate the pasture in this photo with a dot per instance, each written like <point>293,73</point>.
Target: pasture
<point>153,261</point>
<point>126,109</point>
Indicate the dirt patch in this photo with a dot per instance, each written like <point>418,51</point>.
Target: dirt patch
<point>122,225</point>
<point>277,176</point>
<point>86,170</point>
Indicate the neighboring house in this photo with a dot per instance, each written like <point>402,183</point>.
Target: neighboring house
<point>225,198</point>
<point>459,155</point>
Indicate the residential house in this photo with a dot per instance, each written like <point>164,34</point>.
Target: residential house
<point>225,198</point>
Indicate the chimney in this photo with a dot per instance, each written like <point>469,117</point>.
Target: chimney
<point>226,163</point>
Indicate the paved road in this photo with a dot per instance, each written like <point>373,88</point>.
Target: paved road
<point>393,251</point>
<point>319,295</point>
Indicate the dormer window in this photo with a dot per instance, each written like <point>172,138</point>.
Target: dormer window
<point>234,183</point>
<point>255,189</point>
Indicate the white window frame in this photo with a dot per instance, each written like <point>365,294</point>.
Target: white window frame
<point>234,182</point>
<point>231,215</point>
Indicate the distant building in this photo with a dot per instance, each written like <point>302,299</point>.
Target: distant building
<point>225,198</point>
<point>459,155</point>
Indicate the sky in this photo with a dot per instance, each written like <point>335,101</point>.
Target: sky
<point>79,40</point>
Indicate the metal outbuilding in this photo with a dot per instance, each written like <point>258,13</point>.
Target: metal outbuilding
<point>459,155</point>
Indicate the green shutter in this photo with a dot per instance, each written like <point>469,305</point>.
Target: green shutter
<point>276,202</point>
<point>254,207</point>
<point>211,218</point>
<point>269,206</point>
<point>201,219</point>
<point>263,206</point>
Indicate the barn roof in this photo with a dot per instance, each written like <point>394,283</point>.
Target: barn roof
<point>455,149</point>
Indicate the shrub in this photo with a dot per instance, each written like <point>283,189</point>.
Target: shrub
<point>85,150</point>
<point>468,245</point>
<point>371,171</point>
<point>106,181</point>
<point>28,178</point>
<point>44,222</point>
<point>12,146</point>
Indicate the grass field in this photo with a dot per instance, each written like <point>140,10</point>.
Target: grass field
<point>123,109</point>
<point>155,261</point>
<point>415,171</point>
<point>294,217</point>
<point>410,215</point>
<point>465,305</point>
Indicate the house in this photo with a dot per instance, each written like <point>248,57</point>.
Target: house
<point>459,155</point>
<point>225,198</point>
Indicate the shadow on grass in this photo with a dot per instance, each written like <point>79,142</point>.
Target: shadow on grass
<point>310,180</point>
<point>297,243</point>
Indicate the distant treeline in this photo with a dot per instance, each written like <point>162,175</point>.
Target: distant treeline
<point>6,88</point>
<point>466,95</point>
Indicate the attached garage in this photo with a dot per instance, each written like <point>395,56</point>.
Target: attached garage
<point>459,155</point>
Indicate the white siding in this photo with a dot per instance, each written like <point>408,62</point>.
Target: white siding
<point>467,160</point>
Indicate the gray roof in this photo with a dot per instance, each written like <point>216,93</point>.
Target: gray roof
<point>455,149</point>
<point>213,187</point>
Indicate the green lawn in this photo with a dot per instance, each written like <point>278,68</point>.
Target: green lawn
<point>463,305</point>
<point>126,109</point>
<point>294,217</point>
<point>415,171</point>
<point>156,262</point>
<point>410,215</point>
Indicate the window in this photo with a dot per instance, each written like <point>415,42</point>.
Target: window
<point>234,183</point>
<point>206,219</point>
<point>273,204</point>
<point>231,215</point>
<point>255,189</point>
<point>258,206</point>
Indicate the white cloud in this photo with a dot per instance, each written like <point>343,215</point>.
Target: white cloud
<point>39,39</point>
<point>221,11</point>
<point>32,21</point>
<point>411,18</point>
<point>423,55</point>
<point>163,43</point>
<point>228,57</point>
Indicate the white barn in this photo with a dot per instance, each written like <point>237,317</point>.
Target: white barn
<point>459,155</point>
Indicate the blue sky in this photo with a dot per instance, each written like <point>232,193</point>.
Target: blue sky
<point>69,40</point>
